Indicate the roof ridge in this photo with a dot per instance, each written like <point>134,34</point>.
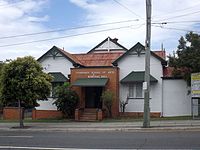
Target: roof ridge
<point>71,56</point>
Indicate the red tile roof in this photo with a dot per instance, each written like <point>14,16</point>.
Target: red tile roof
<point>161,54</point>
<point>97,59</point>
<point>168,72</point>
<point>71,56</point>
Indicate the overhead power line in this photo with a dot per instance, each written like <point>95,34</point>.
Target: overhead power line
<point>67,36</point>
<point>122,5</point>
<point>172,28</point>
<point>65,29</point>
<point>179,10</point>
<point>179,16</point>
<point>171,22</point>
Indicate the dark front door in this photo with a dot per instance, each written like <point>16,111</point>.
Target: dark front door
<point>93,97</point>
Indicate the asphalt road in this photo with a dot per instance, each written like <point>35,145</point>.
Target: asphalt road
<point>99,140</point>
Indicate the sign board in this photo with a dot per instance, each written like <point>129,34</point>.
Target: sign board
<point>144,86</point>
<point>195,85</point>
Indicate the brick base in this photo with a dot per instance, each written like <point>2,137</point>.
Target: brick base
<point>46,114</point>
<point>78,113</point>
<point>11,113</point>
<point>100,115</point>
<point>139,114</point>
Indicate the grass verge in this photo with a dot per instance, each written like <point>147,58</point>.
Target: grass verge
<point>106,120</point>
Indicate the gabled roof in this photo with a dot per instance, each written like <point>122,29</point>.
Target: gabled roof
<point>137,76</point>
<point>161,53</point>
<point>85,60</point>
<point>163,61</point>
<point>58,77</point>
<point>112,40</point>
<point>138,48</point>
<point>65,54</point>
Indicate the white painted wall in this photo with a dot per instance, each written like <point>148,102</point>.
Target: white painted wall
<point>59,64</point>
<point>108,45</point>
<point>137,63</point>
<point>46,105</point>
<point>176,101</point>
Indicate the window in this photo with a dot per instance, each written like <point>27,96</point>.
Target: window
<point>54,85</point>
<point>135,90</point>
<point>139,90</point>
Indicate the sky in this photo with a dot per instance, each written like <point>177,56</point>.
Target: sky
<point>32,27</point>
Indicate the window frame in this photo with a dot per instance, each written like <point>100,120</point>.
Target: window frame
<point>135,90</point>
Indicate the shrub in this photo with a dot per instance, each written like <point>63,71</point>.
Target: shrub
<point>107,97</point>
<point>67,100</point>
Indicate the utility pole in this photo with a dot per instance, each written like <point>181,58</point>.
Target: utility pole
<point>146,121</point>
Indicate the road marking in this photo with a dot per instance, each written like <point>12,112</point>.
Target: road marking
<point>50,148</point>
<point>15,136</point>
<point>39,148</point>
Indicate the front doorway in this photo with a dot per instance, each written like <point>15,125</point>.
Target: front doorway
<point>93,97</point>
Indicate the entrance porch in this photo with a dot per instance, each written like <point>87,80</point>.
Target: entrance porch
<point>89,84</point>
<point>92,89</point>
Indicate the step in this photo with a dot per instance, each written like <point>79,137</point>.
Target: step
<point>92,110</point>
<point>88,116</point>
<point>87,120</point>
<point>88,113</point>
<point>92,118</point>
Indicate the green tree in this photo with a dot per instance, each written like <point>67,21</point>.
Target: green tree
<point>23,81</point>
<point>66,100</point>
<point>1,66</point>
<point>187,57</point>
<point>1,105</point>
<point>107,97</point>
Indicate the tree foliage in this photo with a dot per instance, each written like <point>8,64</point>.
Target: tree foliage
<point>1,66</point>
<point>23,79</point>
<point>67,100</point>
<point>107,97</point>
<point>186,60</point>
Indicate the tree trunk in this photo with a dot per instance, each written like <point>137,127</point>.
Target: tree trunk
<point>124,106</point>
<point>110,112</point>
<point>21,124</point>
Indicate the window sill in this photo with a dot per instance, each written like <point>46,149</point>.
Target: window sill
<point>136,98</point>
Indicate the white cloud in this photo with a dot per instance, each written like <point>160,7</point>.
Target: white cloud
<point>38,19</point>
<point>87,4</point>
<point>109,11</point>
<point>19,19</point>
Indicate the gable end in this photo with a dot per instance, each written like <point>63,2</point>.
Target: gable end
<point>56,52</point>
<point>98,48</point>
<point>138,49</point>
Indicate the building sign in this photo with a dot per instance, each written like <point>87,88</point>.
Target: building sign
<point>195,84</point>
<point>95,74</point>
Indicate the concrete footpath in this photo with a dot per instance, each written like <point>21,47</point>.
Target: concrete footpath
<point>163,125</point>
